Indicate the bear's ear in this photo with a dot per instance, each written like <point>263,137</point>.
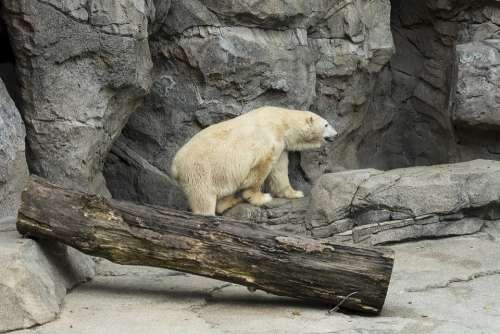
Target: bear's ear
<point>310,120</point>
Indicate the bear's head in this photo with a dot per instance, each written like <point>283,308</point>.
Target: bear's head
<point>307,130</point>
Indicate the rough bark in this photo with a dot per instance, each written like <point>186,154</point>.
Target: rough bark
<point>221,248</point>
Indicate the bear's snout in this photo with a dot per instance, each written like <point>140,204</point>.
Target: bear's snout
<point>330,133</point>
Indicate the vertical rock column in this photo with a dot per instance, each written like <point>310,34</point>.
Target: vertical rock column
<point>84,66</point>
<point>13,169</point>
<point>477,107</point>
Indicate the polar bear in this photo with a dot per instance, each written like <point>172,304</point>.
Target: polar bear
<point>229,162</point>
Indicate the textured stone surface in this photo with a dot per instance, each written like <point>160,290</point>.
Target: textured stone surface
<point>351,47</point>
<point>406,82</point>
<point>396,205</point>
<point>476,114</point>
<point>13,168</point>
<point>437,286</point>
<point>478,88</point>
<point>83,68</point>
<point>440,189</point>
<point>386,73</point>
<point>88,65</point>
<point>280,214</point>
<point>34,280</point>
<point>214,60</point>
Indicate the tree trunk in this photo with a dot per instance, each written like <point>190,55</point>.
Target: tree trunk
<point>220,248</point>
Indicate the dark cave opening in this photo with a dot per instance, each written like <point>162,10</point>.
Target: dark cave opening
<point>421,74</point>
<point>8,64</point>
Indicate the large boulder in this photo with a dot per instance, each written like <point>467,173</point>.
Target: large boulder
<point>399,204</point>
<point>83,67</point>
<point>409,197</point>
<point>478,88</point>
<point>34,280</point>
<point>13,168</point>
<point>440,189</point>
<point>476,102</point>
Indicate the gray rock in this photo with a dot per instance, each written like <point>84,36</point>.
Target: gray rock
<point>478,87</point>
<point>430,227</point>
<point>474,95</point>
<point>13,168</point>
<point>137,179</point>
<point>391,206</point>
<point>281,215</point>
<point>440,189</point>
<point>35,278</point>
<point>214,60</point>
<point>83,68</point>
<point>334,228</point>
<point>332,196</point>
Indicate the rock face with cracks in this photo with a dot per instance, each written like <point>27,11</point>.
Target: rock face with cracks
<point>34,280</point>
<point>13,168</point>
<point>406,82</point>
<point>380,207</point>
<point>83,68</point>
<point>214,60</point>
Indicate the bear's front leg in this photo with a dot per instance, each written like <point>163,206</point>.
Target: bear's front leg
<point>256,197</point>
<point>278,181</point>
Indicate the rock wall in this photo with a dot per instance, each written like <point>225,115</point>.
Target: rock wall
<point>405,82</point>
<point>477,107</point>
<point>13,168</point>
<point>376,207</point>
<point>214,60</point>
<point>83,67</point>
<point>35,278</point>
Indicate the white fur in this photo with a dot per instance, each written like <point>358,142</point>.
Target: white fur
<point>238,155</point>
<point>329,132</point>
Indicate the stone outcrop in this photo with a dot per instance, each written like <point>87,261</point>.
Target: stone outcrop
<point>476,113</point>
<point>34,280</point>
<point>478,89</point>
<point>13,168</point>
<point>83,67</point>
<point>400,204</point>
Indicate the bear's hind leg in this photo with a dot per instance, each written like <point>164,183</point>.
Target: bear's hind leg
<point>227,203</point>
<point>202,203</point>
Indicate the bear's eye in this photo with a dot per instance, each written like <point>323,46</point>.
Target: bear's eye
<point>326,125</point>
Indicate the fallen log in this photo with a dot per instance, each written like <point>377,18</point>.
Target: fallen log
<point>220,248</point>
